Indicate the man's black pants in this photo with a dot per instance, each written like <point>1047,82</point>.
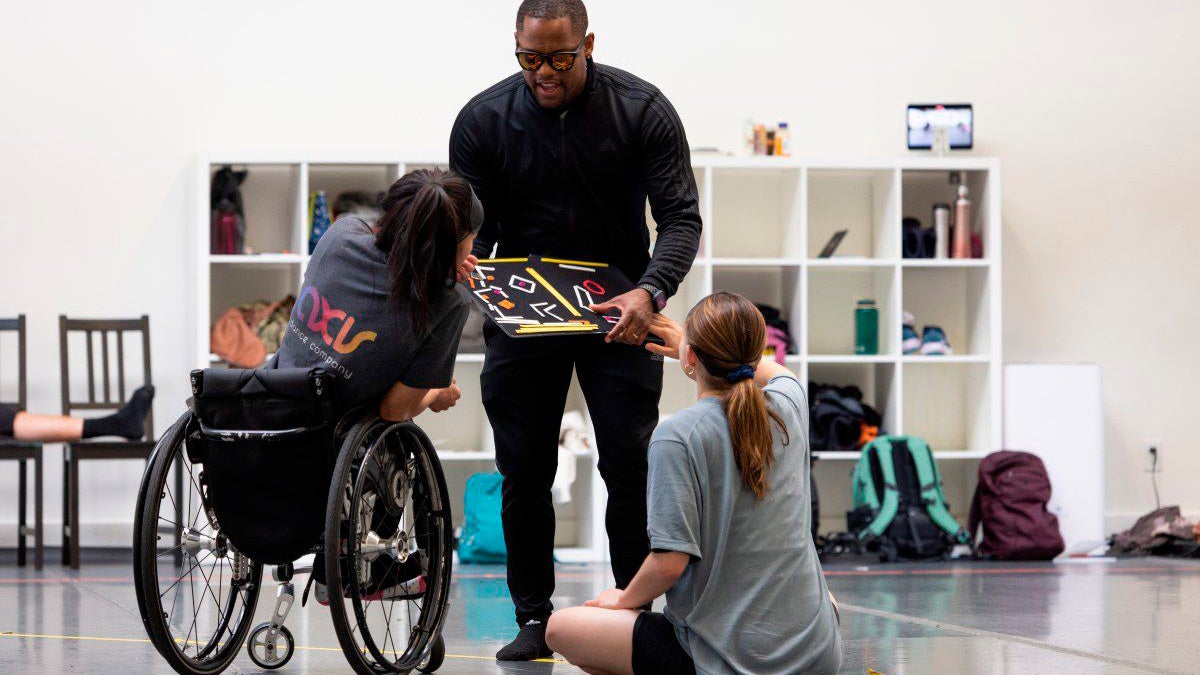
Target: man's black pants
<point>524,384</point>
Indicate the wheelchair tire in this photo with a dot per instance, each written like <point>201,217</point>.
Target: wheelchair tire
<point>195,636</point>
<point>437,654</point>
<point>388,548</point>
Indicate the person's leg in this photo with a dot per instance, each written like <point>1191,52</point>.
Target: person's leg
<point>622,385</point>
<point>597,641</point>
<point>126,422</point>
<point>48,428</point>
<point>524,385</point>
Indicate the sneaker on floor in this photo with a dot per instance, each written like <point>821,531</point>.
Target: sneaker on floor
<point>529,644</point>
<point>911,343</point>
<point>933,342</point>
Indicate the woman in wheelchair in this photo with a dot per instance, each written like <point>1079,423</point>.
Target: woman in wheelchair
<point>315,453</point>
<point>729,515</point>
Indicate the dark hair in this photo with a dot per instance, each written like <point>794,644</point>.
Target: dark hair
<point>727,331</point>
<point>426,213</point>
<point>554,9</point>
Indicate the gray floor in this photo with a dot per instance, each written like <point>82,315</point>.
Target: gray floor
<point>1140,616</point>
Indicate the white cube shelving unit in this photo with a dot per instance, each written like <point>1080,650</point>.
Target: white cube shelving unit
<point>765,219</point>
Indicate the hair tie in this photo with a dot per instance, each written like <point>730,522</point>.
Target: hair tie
<point>742,372</point>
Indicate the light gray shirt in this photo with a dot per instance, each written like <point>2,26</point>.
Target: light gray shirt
<point>753,600</point>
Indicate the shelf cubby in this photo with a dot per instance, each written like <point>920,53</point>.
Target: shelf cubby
<point>832,296</point>
<point>949,405</point>
<point>767,202</point>
<point>778,286</point>
<point>703,199</point>
<point>335,179</point>
<point>921,189</point>
<point>864,202</point>
<point>270,200</point>
<point>958,299</point>
<point>235,284</point>
<point>878,382</point>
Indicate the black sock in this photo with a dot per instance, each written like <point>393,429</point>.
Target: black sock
<point>127,422</point>
<point>529,644</point>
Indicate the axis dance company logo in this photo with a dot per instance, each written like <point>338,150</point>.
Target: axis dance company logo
<point>319,318</point>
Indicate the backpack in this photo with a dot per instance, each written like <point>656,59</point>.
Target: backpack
<point>899,508</point>
<point>227,216</point>
<point>1010,504</point>
<point>482,537</point>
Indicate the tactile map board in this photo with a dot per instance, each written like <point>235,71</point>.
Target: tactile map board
<point>546,296</point>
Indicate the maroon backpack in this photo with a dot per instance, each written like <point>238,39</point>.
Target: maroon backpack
<point>1010,503</point>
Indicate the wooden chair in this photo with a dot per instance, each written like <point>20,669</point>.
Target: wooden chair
<point>22,452</point>
<point>109,331</point>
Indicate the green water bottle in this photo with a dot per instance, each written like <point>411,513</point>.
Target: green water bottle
<point>866,327</point>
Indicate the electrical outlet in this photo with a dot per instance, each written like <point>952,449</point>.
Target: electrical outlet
<point>1151,449</point>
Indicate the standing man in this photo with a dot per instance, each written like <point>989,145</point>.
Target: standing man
<point>563,156</point>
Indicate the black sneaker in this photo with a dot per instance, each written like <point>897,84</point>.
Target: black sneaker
<point>529,644</point>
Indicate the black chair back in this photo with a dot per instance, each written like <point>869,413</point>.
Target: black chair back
<point>106,333</point>
<point>16,325</point>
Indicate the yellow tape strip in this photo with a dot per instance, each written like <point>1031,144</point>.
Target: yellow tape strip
<point>145,641</point>
<point>499,260</point>
<point>557,329</point>
<point>553,291</point>
<point>572,262</point>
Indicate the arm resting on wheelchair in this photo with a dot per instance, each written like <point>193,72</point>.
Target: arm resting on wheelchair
<point>403,402</point>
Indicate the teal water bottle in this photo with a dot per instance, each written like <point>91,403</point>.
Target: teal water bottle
<point>866,327</point>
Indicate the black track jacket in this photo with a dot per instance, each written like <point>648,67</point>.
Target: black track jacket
<point>574,183</point>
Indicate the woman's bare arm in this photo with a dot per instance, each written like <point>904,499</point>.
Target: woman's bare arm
<point>403,402</point>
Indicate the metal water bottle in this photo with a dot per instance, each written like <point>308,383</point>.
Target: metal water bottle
<point>962,225</point>
<point>941,229</point>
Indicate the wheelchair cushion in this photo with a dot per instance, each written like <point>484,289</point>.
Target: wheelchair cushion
<point>268,493</point>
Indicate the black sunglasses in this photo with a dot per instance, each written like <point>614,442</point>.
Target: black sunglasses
<point>560,61</point>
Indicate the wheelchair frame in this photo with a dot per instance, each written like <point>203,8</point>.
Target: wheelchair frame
<point>372,495</point>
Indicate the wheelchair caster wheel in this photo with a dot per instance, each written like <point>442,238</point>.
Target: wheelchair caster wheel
<point>267,654</point>
<point>437,654</point>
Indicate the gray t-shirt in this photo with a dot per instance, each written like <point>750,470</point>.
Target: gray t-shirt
<point>753,600</point>
<point>344,322</point>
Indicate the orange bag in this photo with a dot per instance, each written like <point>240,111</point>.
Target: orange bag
<point>234,340</point>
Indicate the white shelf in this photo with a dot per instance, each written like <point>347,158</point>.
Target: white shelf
<point>947,359</point>
<point>938,454</point>
<point>757,262</point>
<point>764,220</point>
<point>850,262</point>
<point>851,358</point>
<point>257,259</point>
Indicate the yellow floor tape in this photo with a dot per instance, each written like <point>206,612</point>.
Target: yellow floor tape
<point>147,641</point>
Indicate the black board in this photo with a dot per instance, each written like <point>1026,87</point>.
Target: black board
<point>536,295</point>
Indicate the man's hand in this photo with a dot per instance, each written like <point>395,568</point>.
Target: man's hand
<point>446,398</point>
<point>636,314</point>
<point>610,599</point>
<point>467,268</point>
<point>671,334</point>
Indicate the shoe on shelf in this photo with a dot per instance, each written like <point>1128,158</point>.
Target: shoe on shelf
<point>911,343</point>
<point>933,342</point>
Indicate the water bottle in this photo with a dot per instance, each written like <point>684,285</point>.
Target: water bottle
<point>866,327</point>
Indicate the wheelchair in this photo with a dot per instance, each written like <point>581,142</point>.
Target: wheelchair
<point>267,471</point>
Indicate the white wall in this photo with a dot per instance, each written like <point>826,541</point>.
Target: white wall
<point>1092,107</point>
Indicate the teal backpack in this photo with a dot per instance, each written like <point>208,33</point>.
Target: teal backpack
<point>899,507</point>
<point>482,537</point>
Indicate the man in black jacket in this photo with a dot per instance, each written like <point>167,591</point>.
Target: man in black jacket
<point>564,156</point>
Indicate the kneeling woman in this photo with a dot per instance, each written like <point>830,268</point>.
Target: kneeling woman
<point>378,306</point>
<point>729,519</point>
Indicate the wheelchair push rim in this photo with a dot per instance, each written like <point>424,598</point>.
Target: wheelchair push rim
<point>389,571</point>
<point>196,593</point>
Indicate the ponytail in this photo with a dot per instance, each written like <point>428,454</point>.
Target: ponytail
<point>728,333</point>
<point>425,215</point>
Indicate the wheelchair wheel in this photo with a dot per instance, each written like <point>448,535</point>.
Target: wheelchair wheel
<point>267,653</point>
<point>388,551</point>
<point>196,598</point>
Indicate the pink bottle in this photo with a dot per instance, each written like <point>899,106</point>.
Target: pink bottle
<point>961,247</point>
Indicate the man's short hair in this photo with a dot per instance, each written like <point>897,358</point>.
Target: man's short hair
<point>554,9</point>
